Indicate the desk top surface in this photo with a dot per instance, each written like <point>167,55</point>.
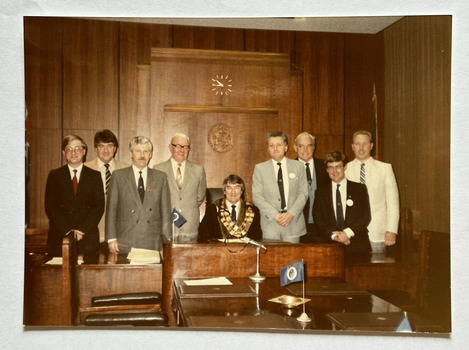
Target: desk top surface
<point>263,305</point>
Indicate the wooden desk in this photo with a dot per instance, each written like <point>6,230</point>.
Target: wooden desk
<point>257,312</point>
<point>44,299</point>
<point>239,260</point>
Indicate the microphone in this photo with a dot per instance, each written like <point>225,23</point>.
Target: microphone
<point>254,243</point>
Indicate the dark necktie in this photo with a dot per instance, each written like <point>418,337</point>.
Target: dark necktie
<point>233,213</point>
<point>75,181</point>
<point>308,174</point>
<point>108,177</point>
<point>280,187</point>
<point>141,190</point>
<point>339,212</point>
<point>362,173</point>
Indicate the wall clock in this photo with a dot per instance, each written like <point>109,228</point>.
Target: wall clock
<point>221,85</point>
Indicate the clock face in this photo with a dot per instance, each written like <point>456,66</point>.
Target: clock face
<point>221,85</point>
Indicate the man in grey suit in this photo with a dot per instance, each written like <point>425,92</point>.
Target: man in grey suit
<point>187,184</point>
<point>280,191</point>
<point>105,144</point>
<point>138,208</point>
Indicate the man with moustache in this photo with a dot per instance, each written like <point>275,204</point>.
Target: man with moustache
<point>187,184</point>
<point>106,145</point>
<point>138,205</point>
<point>74,200</point>
<point>316,176</point>
<point>280,191</point>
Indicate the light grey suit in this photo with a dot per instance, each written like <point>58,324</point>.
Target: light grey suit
<point>188,199</point>
<point>266,197</point>
<point>384,196</point>
<point>136,224</point>
<point>93,164</point>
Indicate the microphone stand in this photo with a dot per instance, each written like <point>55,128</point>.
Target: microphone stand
<point>257,277</point>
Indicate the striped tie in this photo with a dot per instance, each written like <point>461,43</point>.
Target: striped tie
<point>108,177</point>
<point>179,177</point>
<point>362,173</point>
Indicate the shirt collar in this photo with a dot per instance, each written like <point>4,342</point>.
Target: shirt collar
<point>101,164</point>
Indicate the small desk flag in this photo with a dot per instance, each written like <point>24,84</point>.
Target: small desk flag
<point>177,218</point>
<point>292,273</point>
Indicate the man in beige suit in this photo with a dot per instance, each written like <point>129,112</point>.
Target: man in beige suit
<point>382,189</point>
<point>187,184</point>
<point>105,144</point>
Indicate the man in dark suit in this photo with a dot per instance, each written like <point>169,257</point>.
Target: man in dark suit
<point>316,175</point>
<point>231,216</point>
<point>138,209</point>
<point>342,209</point>
<point>74,200</point>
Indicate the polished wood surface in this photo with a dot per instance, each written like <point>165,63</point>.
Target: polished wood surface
<point>242,312</point>
<point>46,304</point>
<point>239,260</point>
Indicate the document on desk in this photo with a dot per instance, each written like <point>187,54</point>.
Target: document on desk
<point>230,240</point>
<point>138,256</point>
<point>214,287</point>
<point>217,281</point>
<point>54,261</point>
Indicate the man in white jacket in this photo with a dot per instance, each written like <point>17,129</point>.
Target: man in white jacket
<point>382,189</point>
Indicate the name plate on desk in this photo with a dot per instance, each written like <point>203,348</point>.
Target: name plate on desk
<point>339,288</point>
<point>212,291</point>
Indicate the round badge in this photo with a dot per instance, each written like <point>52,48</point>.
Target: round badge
<point>349,202</point>
<point>291,175</point>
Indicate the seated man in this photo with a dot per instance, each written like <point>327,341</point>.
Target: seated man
<point>342,209</point>
<point>231,216</point>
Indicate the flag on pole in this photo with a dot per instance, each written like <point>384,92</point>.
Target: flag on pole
<point>292,273</point>
<point>177,218</point>
<point>374,122</point>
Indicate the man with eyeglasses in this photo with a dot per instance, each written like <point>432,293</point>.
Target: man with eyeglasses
<point>342,209</point>
<point>187,184</point>
<point>106,145</point>
<point>316,176</point>
<point>74,200</point>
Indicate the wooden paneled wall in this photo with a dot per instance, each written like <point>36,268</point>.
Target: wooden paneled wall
<point>86,75</point>
<point>418,116</point>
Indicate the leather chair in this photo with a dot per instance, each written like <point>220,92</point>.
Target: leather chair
<point>213,194</point>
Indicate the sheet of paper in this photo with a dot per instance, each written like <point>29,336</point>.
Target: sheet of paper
<point>54,261</point>
<point>230,240</point>
<point>138,256</point>
<point>217,281</point>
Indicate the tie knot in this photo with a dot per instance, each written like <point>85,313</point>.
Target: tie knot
<point>106,166</point>
<point>233,206</point>
<point>140,172</point>
<point>179,165</point>
<point>307,165</point>
<point>363,165</point>
<point>338,185</point>
<point>75,171</point>
<point>279,164</point>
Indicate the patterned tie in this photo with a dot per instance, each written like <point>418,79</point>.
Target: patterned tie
<point>362,173</point>
<point>179,177</point>
<point>141,190</point>
<point>108,177</point>
<point>233,213</point>
<point>280,187</point>
<point>75,181</point>
<point>339,210</point>
<point>308,173</point>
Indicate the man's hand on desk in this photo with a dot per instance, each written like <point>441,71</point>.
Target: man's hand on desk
<point>284,219</point>
<point>113,247</point>
<point>341,237</point>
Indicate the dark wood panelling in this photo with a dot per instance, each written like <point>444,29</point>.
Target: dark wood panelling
<point>188,37</point>
<point>90,74</point>
<point>321,57</point>
<point>269,41</point>
<point>417,133</point>
<point>364,63</point>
